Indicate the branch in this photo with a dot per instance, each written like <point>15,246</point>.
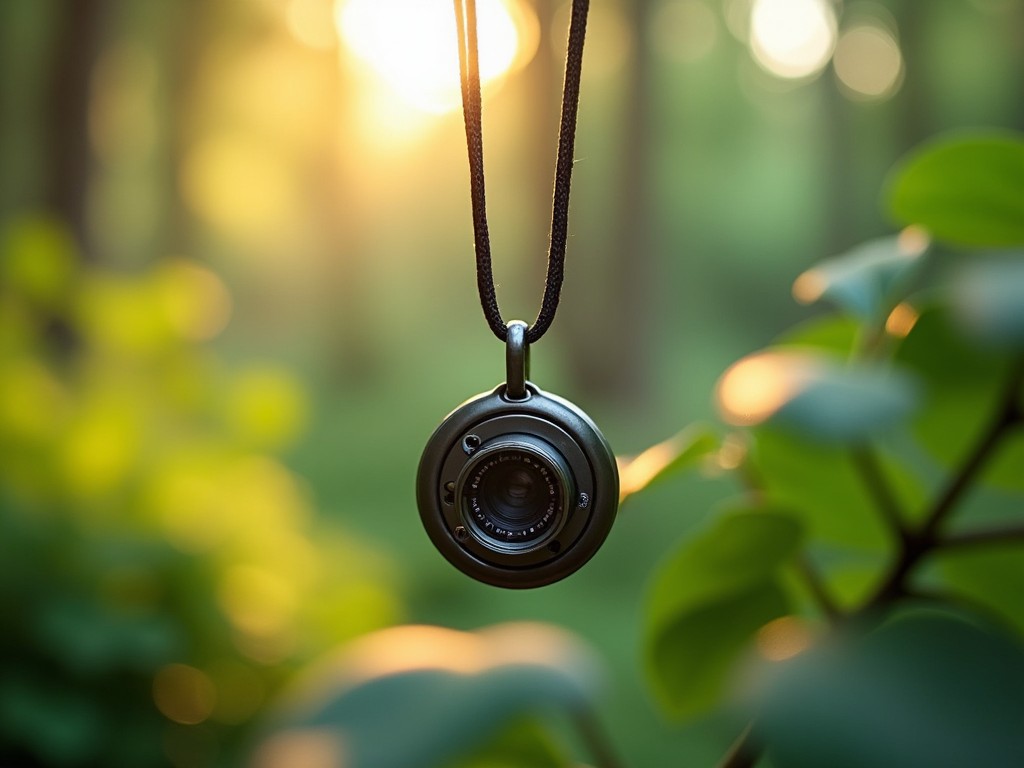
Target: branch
<point>916,545</point>
<point>1012,533</point>
<point>866,462</point>
<point>1008,415</point>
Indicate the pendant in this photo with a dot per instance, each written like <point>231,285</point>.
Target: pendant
<point>517,487</point>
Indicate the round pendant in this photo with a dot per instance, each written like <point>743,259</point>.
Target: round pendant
<point>517,487</point>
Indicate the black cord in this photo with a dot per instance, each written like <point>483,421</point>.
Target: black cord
<point>469,68</point>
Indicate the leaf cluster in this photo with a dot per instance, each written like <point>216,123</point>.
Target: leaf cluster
<point>883,472</point>
<point>155,553</point>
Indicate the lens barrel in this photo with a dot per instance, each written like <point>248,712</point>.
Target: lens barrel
<point>513,494</point>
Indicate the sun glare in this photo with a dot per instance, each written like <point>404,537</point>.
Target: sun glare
<point>411,45</point>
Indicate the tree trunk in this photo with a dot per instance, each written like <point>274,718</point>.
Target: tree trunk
<point>77,46</point>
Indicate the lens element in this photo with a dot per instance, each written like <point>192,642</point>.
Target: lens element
<point>513,495</point>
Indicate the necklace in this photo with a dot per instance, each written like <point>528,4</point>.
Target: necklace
<point>517,487</point>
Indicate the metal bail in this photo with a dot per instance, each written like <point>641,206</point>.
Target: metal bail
<point>517,361</point>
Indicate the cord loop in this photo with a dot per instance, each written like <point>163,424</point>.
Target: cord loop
<point>469,70</point>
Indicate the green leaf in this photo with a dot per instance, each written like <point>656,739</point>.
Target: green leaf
<point>988,299</point>
<point>427,696</point>
<point>707,602</point>
<point>967,190</point>
<point>666,459</point>
<point>523,744</point>
<point>866,280</point>
<point>992,576</point>
<point>815,396</point>
<point>962,384</point>
<point>927,690</point>
<point>829,333</point>
<point>820,485</point>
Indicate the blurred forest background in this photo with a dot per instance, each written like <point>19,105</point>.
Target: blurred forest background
<point>238,294</point>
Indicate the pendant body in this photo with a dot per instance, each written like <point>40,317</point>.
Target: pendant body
<point>517,487</point>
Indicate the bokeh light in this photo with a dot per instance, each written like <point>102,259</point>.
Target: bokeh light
<point>184,694</point>
<point>901,320</point>
<point>868,62</point>
<point>241,184</point>
<point>756,387</point>
<point>792,38</point>
<point>412,47</point>
<point>783,638</point>
<point>194,299</point>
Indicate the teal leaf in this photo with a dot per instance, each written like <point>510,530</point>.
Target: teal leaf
<point>428,696</point>
<point>866,281</point>
<point>926,690</point>
<point>666,459</point>
<point>709,600</point>
<point>816,396</point>
<point>850,404</point>
<point>967,190</point>
<point>988,299</point>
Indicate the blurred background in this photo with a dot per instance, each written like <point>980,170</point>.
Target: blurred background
<point>238,294</point>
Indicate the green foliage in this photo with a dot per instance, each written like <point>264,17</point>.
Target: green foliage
<point>962,382</point>
<point>925,690</point>
<point>866,427</point>
<point>157,554</point>
<point>990,578</point>
<point>964,189</point>
<point>523,744</point>
<point>987,298</point>
<point>848,416</point>
<point>708,601</point>
<point>450,695</point>
<point>846,404</point>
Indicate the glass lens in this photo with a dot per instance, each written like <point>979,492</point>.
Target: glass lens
<point>513,496</point>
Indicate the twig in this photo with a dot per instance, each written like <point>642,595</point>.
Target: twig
<point>1008,415</point>
<point>595,738</point>
<point>997,534</point>
<point>867,464</point>
<point>744,751</point>
<point>818,589</point>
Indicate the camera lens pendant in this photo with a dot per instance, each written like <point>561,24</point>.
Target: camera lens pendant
<point>517,487</point>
